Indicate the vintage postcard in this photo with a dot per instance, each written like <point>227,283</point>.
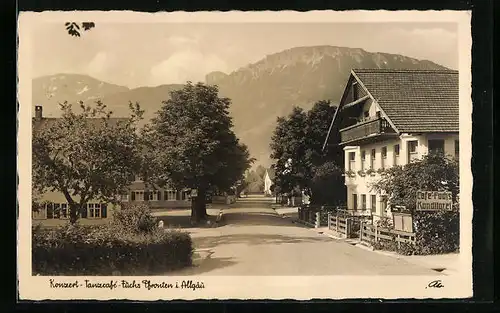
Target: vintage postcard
<point>244,155</point>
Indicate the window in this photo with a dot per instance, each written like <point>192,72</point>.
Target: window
<point>57,210</point>
<point>153,195</point>
<point>352,161</point>
<point>170,195</point>
<point>354,201</point>
<point>363,158</point>
<point>412,150</point>
<point>384,157</point>
<point>436,146</point>
<point>457,149</point>
<point>396,154</point>
<point>363,202</point>
<point>373,203</point>
<point>97,210</point>
<point>50,210</point>
<point>64,210</point>
<point>383,204</point>
<point>91,210</point>
<point>138,195</point>
<point>124,197</point>
<point>372,158</point>
<point>366,115</point>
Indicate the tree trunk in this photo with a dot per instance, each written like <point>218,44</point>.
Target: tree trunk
<point>199,207</point>
<point>74,208</point>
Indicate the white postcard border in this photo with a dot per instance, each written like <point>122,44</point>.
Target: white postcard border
<point>458,285</point>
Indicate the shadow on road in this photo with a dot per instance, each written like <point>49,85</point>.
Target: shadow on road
<point>182,221</point>
<point>254,239</point>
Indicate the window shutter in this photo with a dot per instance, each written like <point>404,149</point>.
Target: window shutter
<point>178,195</point>
<point>132,196</point>
<point>84,212</point>
<point>50,210</point>
<point>104,210</point>
<point>146,195</point>
<point>158,193</point>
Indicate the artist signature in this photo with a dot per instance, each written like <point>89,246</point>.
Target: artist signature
<point>435,284</point>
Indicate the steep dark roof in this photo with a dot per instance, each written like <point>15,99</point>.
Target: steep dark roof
<point>415,100</point>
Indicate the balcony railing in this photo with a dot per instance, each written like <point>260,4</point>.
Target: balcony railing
<point>365,129</point>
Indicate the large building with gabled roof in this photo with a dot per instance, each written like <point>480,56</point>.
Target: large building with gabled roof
<point>391,117</point>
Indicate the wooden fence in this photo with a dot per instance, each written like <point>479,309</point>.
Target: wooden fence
<point>315,216</point>
<point>371,233</point>
<point>363,228</point>
<point>340,224</point>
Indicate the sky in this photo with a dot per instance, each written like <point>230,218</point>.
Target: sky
<point>151,54</point>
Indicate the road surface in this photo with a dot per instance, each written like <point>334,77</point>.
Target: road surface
<point>255,240</point>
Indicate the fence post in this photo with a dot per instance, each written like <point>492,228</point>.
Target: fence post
<point>399,242</point>
<point>347,227</point>
<point>329,221</point>
<point>376,232</point>
<point>337,223</point>
<point>361,231</point>
<point>318,219</point>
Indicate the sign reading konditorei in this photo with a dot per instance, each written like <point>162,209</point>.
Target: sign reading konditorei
<point>434,200</point>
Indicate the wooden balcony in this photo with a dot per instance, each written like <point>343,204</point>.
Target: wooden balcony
<point>370,130</point>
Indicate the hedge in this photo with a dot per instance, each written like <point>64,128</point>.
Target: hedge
<point>109,250</point>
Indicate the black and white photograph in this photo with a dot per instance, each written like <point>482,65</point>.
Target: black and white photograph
<point>244,155</point>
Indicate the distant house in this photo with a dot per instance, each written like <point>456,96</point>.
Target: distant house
<point>392,117</point>
<point>55,206</point>
<point>268,181</point>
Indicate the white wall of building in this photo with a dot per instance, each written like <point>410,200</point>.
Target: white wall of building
<point>362,185</point>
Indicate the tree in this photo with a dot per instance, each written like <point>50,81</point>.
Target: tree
<point>296,146</point>
<point>288,148</point>
<point>433,172</point>
<point>86,155</point>
<point>195,144</point>
<point>254,182</point>
<point>326,186</point>
<point>260,171</point>
<point>74,29</point>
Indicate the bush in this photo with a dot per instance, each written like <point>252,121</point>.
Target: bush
<point>403,248</point>
<point>437,232</point>
<point>134,218</point>
<point>105,250</point>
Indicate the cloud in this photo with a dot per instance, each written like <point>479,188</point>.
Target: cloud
<point>436,44</point>
<point>186,65</point>
<point>182,41</point>
<point>98,64</point>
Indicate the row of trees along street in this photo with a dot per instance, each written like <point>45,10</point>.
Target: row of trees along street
<point>300,162</point>
<point>88,155</point>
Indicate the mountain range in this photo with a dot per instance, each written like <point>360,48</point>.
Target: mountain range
<point>260,92</point>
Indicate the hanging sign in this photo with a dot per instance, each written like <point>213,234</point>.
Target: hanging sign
<point>194,193</point>
<point>434,200</point>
